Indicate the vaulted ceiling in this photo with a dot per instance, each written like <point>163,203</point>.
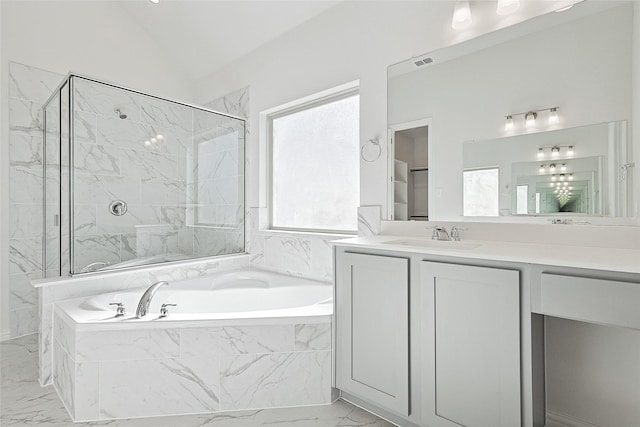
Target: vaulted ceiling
<point>203,36</point>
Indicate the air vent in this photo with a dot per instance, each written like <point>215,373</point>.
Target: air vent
<point>422,62</point>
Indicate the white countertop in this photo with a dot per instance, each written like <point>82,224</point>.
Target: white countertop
<point>609,259</point>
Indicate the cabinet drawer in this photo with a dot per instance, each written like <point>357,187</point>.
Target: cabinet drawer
<point>602,301</point>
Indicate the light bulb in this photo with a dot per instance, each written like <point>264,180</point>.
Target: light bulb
<point>159,137</point>
<point>153,140</point>
<point>508,125</point>
<point>540,153</point>
<point>563,167</point>
<point>570,151</point>
<point>461,15</point>
<point>530,119</point>
<point>561,177</point>
<point>147,143</point>
<point>541,168</point>
<point>553,116</point>
<point>552,167</point>
<point>571,177</point>
<point>553,177</point>
<point>555,151</point>
<point>506,7</point>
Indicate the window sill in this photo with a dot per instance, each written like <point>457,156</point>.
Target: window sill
<point>291,233</point>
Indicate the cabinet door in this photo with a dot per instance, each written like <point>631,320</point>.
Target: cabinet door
<point>471,345</point>
<point>373,329</point>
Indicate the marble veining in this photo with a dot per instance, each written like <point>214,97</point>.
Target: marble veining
<point>368,220</point>
<point>315,336</point>
<point>31,83</point>
<point>24,402</point>
<point>127,345</point>
<point>276,379</point>
<point>25,150</point>
<point>155,387</point>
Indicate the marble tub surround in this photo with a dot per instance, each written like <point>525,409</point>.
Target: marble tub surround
<point>61,289</point>
<point>24,402</point>
<point>151,372</point>
<point>29,88</point>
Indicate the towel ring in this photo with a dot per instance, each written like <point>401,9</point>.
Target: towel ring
<point>372,142</point>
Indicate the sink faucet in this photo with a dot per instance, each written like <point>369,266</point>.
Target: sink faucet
<point>440,233</point>
<point>145,301</point>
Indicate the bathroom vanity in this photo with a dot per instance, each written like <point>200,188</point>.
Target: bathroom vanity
<point>443,333</point>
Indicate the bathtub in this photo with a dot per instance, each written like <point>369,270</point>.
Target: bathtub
<point>235,295</point>
<point>243,339</point>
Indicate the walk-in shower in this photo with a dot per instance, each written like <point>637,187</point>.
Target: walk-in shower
<point>132,179</point>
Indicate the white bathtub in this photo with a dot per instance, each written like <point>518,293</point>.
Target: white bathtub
<point>235,295</point>
<point>246,339</point>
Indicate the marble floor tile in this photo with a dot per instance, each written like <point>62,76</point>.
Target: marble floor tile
<point>24,403</point>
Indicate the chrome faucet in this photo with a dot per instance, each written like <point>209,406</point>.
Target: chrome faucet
<point>440,233</point>
<point>455,234</point>
<point>145,301</point>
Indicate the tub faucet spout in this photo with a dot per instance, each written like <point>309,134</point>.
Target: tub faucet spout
<point>145,301</point>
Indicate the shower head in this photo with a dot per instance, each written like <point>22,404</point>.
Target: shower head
<point>120,114</point>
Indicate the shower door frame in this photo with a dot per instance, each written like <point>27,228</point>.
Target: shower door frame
<point>69,79</point>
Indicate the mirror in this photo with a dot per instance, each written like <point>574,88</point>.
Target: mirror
<point>567,171</point>
<point>580,62</point>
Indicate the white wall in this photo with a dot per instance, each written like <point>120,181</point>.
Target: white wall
<point>96,39</point>
<point>354,40</point>
<point>570,66</point>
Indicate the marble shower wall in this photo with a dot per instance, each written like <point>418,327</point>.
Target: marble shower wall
<point>174,166</point>
<point>29,89</point>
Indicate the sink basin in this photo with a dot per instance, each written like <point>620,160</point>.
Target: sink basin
<point>437,244</point>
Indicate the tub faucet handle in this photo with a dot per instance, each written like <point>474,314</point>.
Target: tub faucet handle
<point>164,311</point>
<point>119,308</point>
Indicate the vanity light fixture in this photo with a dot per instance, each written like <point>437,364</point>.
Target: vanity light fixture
<point>531,116</point>
<point>505,7</point>
<point>555,151</point>
<point>552,167</point>
<point>541,168</point>
<point>570,177</point>
<point>563,167</point>
<point>570,150</point>
<point>509,125</point>
<point>553,177</point>
<point>530,119</point>
<point>461,15</point>
<point>540,153</point>
<point>561,177</point>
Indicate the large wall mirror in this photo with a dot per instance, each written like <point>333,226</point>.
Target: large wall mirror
<point>575,70</point>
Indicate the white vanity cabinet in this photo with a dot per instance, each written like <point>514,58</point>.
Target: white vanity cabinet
<point>470,345</point>
<point>372,336</point>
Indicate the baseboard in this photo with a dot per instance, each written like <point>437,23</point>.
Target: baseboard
<point>555,419</point>
<point>380,413</point>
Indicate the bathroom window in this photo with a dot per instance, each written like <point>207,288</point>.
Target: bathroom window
<point>314,164</point>
<point>480,191</point>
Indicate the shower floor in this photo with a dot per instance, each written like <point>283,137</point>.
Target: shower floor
<point>24,402</point>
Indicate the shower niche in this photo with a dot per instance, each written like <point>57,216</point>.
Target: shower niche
<point>132,179</point>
